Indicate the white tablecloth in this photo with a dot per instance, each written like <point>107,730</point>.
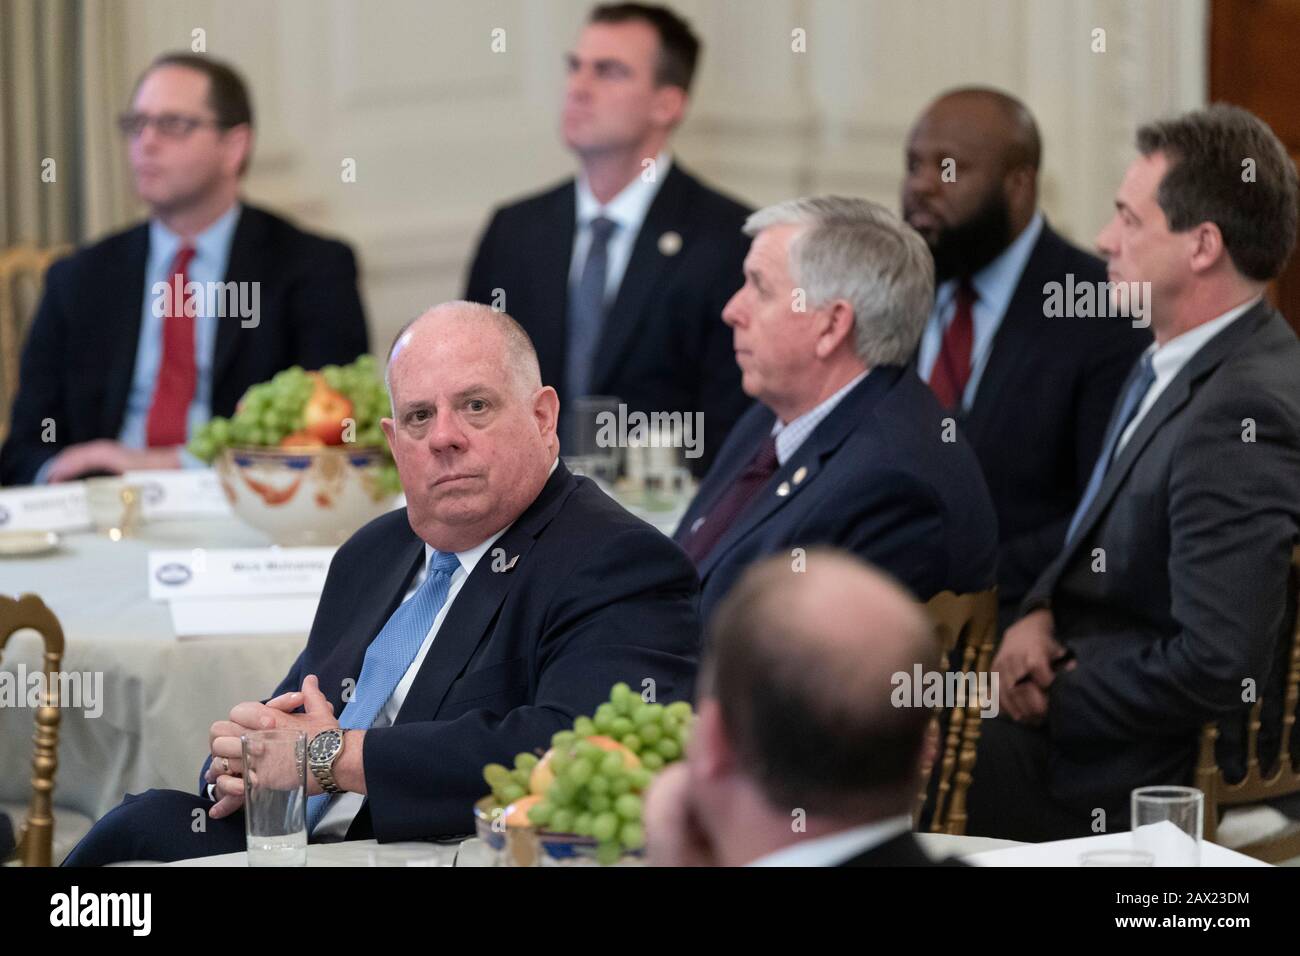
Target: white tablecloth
<point>159,694</point>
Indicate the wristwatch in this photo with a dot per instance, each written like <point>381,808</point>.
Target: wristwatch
<point>323,750</point>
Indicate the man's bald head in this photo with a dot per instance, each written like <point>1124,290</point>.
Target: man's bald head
<point>801,666</point>
<point>999,116</point>
<point>515,343</point>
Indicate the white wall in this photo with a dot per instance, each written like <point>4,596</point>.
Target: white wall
<point>442,128</point>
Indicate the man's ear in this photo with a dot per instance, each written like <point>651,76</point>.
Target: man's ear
<point>837,326</point>
<point>712,754</point>
<point>238,141</point>
<point>669,107</point>
<point>1207,247</point>
<point>546,410</point>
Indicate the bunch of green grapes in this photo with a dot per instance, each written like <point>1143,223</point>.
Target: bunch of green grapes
<point>509,785</point>
<point>597,792</point>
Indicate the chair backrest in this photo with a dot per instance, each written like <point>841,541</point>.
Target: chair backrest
<point>36,838</point>
<point>22,274</point>
<point>966,627</point>
<point>1256,786</point>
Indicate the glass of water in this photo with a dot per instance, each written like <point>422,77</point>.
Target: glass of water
<point>1167,823</point>
<point>275,797</point>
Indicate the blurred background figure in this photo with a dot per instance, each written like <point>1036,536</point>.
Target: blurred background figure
<point>798,757</point>
<point>620,275</point>
<point>1032,391</point>
<point>116,373</point>
<point>844,445</point>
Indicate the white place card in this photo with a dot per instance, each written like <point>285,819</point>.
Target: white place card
<point>224,617</point>
<point>60,507</point>
<point>180,493</point>
<point>237,573</point>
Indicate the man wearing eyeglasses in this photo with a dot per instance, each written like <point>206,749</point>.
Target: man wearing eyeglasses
<point>142,337</point>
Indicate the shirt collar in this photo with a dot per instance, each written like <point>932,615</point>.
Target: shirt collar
<point>997,281</point>
<point>837,848</point>
<point>630,206</point>
<point>790,435</point>
<point>210,246</point>
<point>1168,359</point>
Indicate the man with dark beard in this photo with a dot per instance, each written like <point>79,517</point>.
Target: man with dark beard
<point>1032,390</point>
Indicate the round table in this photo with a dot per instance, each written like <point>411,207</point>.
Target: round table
<point>157,695</point>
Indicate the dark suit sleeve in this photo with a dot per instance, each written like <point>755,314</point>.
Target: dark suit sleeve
<point>325,310</point>
<point>478,287</point>
<point>627,613</point>
<point>1232,523</point>
<point>40,392</point>
<point>899,525</point>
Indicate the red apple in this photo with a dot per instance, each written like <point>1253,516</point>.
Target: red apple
<point>325,413</point>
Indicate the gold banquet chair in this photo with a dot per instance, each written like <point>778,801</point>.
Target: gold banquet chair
<point>22,275</point>
<point>966,627</point>
<point>36,846</point>
<point>1268,835</point>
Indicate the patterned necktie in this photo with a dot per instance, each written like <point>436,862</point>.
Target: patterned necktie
<point>951,369</point>
<point>587,311</point>
<point>1129,404</point>
<point>733,502</point>
<point>177,374</point>
<point>389,656</point>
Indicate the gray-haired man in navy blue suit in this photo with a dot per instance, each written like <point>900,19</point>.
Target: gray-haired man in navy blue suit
<point>502,602</point>
<point>845,446</point>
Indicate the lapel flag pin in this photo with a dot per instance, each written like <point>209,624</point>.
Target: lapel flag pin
<point>800,475</point>
<point>695,525</point>
<point>670,243</point>
<point>783,489</point>
<point>513,561</point>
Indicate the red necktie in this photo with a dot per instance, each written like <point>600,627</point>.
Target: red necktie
<point>952,368</point>
<point>174,388</point>
<point>733,502</point>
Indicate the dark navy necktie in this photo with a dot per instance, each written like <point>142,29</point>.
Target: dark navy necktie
<point>587,311</point>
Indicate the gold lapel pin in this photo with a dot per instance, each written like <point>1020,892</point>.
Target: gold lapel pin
<point>783,489</point>
<point>670,243</point>
<point>800,475</point>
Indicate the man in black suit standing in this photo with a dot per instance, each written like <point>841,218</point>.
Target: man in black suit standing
<point>844,446</point>
<point>501,603</point>
<point>1163,610</point>
<point>1031,390</point>
<point>620,274</point>
<point>144,336</point>
<point>798,756</point>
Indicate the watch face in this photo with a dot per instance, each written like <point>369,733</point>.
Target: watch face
<point>323,744</point>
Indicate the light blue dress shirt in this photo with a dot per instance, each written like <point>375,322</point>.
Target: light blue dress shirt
<point>995,284</point>
<point>628,211</point>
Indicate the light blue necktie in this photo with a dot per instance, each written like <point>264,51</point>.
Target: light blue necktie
<point>587,311</point>
<point>1132,400</point>
<point>389,656</point>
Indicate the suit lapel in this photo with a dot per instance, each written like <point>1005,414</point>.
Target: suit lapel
<point>124,294</point>
<point>641,277</point>
<point>468,621</point>
<point>810,458</point>
<point>247,260</point>
<point>552,258</point>
<point>1174,397</point>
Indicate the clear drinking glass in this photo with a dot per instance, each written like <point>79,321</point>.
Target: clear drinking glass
<point>1167,823</point>
<point>114,506</point>
<point>597,437</point>
<point>275,797</point>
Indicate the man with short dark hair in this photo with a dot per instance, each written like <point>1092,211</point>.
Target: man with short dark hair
<point>619,275</point>
<point>1030,390</point>
<point>125,359</point>
<point>798,756</point>
<point>844,445</point>
<point>1164,608</point>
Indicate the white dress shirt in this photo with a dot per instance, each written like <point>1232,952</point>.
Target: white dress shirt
<point>789,436</point>
<point>995,284</point>
<point>1168,360</point>
<point>628,210</point>
<point>836,848</point>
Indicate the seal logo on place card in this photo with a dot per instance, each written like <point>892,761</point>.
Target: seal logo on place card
<point>173,574</point>
<point>670,243</point>
<point>151,493</point>
<point>4,516</point>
